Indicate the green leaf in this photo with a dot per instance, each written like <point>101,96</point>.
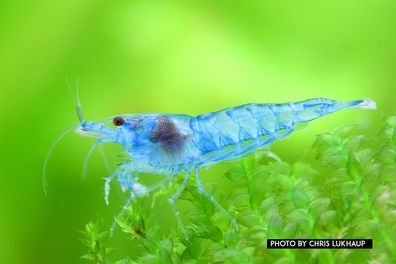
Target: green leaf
<point>248,218</point>
<point>328,139</point>
<point>248,163</point>
<point>164,256</point>
<point>353,167</point>
<point>300,199</point>
<point>194,249</point>
<point>345,130</point>
<point>226,255</point>
<point>391,121</point>
<point>167,244</point>
<point>213,232</point>
<point>319,205</point>
<point>230,238</point>
<point>148,259</point>
<point>126,260</point>
<point>327,217</point>
<point>237,175</point>
<point>275,226</point>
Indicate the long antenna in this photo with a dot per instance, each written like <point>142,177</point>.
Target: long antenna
<point>76,100</point>
<point>64,133</point>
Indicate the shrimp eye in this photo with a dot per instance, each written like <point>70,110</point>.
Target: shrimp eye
<point>118,121</point>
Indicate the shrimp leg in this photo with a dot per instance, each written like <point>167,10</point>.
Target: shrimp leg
<point>158,185</point>
<point>172,201</point>
<point>127,183</point>
<point>107,186</point>
<point>122,177</point>
<point>128,202</point>
<point>212,199</point>
<point>104,158</point>
<point>99,142</point>
<point>126,180</point>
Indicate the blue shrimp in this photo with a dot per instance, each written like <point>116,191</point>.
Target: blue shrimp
<point>173,143</point>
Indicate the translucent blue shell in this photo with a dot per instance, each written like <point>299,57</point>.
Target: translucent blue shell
<point>168,143</point>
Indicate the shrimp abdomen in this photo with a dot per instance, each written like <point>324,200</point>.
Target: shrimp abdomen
<point>251,126</point>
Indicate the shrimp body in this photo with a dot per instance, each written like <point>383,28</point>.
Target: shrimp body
<point>170,143</point>
<point>166,143</point>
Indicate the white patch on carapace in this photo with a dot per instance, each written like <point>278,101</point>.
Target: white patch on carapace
<point>139,189</point>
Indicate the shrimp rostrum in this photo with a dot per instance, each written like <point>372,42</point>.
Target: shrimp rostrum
<point>170,144</point>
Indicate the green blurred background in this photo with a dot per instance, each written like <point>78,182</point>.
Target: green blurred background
<point>163,56</point>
